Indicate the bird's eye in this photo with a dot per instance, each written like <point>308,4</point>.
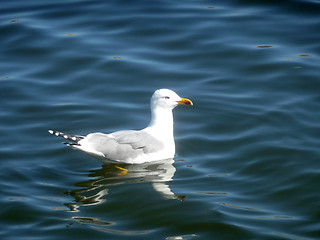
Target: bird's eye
<point>166,97</point>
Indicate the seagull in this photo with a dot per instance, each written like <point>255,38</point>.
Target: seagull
<point>153,143</point>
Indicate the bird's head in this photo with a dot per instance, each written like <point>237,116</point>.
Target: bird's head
<point>168,99</point>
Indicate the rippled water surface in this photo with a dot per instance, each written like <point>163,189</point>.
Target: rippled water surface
<point>247,164</point>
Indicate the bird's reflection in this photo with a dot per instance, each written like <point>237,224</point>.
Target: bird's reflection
<point>95,191</point>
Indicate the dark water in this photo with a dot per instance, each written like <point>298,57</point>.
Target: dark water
<point>247,163</point>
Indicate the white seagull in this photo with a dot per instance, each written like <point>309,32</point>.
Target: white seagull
<point>152,143</point>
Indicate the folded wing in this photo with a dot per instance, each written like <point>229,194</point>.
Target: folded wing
<point>123,145</point>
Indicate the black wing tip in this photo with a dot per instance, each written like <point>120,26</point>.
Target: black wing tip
<point>53,132</point>
<point>66,136</point>
<point>71,144</point>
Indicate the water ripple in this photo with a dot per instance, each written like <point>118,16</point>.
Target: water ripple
<point>247,152</point>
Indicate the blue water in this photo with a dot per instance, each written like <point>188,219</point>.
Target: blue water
<point>247,154</point>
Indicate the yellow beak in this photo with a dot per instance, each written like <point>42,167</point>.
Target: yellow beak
<point>185,101</point>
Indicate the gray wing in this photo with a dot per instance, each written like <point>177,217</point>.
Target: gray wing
<point>124,144</point>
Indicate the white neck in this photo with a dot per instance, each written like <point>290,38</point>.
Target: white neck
<point>162,121</point>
